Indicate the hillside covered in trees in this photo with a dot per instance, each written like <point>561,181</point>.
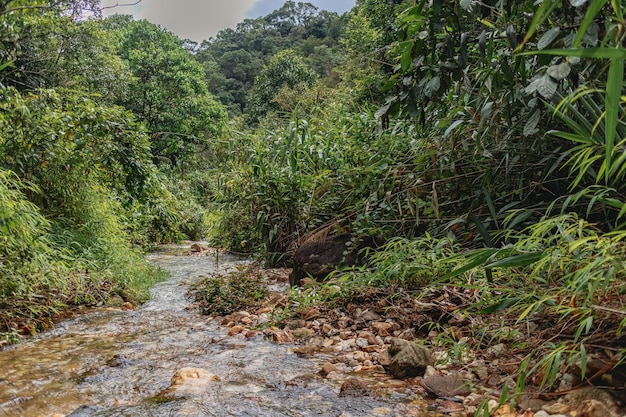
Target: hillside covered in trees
<point>481,146</point>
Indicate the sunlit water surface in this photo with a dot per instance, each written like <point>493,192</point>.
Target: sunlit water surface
<point>112,362</point>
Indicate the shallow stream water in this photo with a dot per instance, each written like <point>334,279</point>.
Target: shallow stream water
<point>112,362</point>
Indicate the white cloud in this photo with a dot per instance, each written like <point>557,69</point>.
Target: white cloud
<point>189,19</point>
<point>201,19</point>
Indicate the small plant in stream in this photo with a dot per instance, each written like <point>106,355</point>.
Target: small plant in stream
<point>238,290</point>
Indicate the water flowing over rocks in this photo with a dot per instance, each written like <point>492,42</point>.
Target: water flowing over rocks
<point>164,359</point>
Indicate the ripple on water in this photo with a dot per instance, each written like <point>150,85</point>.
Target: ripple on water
<point>118,363</point>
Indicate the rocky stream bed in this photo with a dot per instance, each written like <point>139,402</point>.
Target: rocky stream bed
<point>165,359</point>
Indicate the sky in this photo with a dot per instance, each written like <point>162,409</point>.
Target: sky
<point>199,20</point>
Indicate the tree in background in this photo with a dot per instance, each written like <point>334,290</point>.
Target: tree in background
<point>168,93</point>
<point>235,57</point>
<point>285,70</point>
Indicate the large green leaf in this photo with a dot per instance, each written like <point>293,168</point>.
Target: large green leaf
<point>613,111</point>
<point>516,260</point>
<point>474,258</point>
<point>600,53</point>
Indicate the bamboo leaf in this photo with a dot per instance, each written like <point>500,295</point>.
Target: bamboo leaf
<point>548,37</point>
<point>482,229</point>
<point>592,12</point>
<point>540,15</point>
<point>475,258</point>
<point>6,65</point>
<point>530,128</point>
<point>451,127</point>
<point>601,53</point>
<point>583,328</point>
<point>517,260</point>
<point>613,90</point>
<point>617,8</point>
<point>502,305</point>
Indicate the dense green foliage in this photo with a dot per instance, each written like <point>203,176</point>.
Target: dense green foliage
<point>77,151</point>
<point>235,57</point>
<point>491,160</point>
<point>484,142</point>
<point>167,91</point>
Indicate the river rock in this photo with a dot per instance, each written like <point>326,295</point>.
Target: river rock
<point>236,330</point>
<point>195,375</point>
<point>279,336</point>
<point>407,359</point>
<point>383,329</point>
<point>189,381</point>
<point>595,408</point>
<point>445,386</point>
<point>328,368</point>
<point>319,257</point>
<point>592,402</point>
<point>83,411</point>
<point>199,247</point>
<point>355,387</point>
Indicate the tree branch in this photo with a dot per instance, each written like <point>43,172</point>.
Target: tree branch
<point>120,5</point>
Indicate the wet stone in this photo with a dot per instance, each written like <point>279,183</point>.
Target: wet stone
<point>83,411</point>
<point>118,361</point>
<point>445,386</point>
<point>355,387</point>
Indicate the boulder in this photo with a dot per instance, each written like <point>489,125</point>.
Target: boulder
<point>318,258</point>
<point>407,359</point>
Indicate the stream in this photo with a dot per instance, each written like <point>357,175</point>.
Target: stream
<point>114,362</point>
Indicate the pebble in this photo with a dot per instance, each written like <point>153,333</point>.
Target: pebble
<point>327,368</point>
<point>356,346</point>
<point>556,408</point>
<point>252,333</point>
<point>360,342</point>
<point>236,330</point>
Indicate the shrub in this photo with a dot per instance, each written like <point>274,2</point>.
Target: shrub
<point>226,294</point>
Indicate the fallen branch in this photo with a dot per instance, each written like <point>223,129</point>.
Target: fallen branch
<point>609,310</point>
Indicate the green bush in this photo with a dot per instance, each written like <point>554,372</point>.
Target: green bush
<point>26,253</point>
<point>242,289</point>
